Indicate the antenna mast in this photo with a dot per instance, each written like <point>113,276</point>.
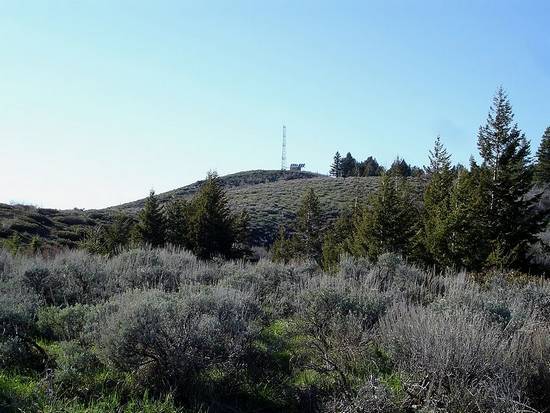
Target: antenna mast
<point>283,155</point>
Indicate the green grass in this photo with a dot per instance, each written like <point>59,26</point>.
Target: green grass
<point>18,392</point>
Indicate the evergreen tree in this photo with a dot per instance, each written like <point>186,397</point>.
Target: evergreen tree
<point>241,230</point>
<point>514,222</point>
<point>309,226</point>
<point>542,169</point>
<point>437,206</point>
<point>370,167</point>
<point>119,232</point>
<point>388,224</point>
<point>417,172</point>
<point>213,231</point>
<point>349,166</point>
<point>283,249</point>
<point>468,242</point>
<point>177,217</point>
<point>439,158</point>
<point>336,240</point>
<point>336,167</point>
<point>109,239</point>
<point>400,167</point>
<point>150,227</point>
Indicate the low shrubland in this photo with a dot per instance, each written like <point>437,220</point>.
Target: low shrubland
<point>159,330</point>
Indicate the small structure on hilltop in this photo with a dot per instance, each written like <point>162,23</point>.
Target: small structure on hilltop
<point>297,166</point>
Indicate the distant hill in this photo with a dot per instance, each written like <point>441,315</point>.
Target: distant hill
<point>271,198</point>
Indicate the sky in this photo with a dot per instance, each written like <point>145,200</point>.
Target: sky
<point>103,100</point>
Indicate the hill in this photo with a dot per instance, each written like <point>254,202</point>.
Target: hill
<point>270,197</point>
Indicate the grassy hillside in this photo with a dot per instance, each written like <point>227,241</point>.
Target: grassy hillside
<point>271,198</point>
<point>54,227</point>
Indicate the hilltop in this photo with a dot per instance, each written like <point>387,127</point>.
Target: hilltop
<point>271,197</point>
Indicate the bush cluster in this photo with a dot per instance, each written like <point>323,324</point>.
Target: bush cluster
<point>147,326</point>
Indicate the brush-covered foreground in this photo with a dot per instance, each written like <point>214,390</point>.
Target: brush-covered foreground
<point>160,331</point>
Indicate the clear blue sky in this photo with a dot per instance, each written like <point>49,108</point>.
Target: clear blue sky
<point>102,100</point>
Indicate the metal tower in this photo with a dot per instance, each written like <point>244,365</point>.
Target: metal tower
<point>283,155</point>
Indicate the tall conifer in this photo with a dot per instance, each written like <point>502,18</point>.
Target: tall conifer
<point>150,227</point>
<point>336,167</point>
<point>388,224</point>
<point>542,169</point>
<point>213,232</point>
<point>435,231</point>
<point>513,220</point>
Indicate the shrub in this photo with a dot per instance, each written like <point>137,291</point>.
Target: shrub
<point>61,324</point>
<point>76,371</point>
<point>273,284</point>
<point>29,228</point>
<point>170,339</point>
<point>372,397</point>
<point>73,220</point>
<point>150,268</point>
<point>336,320</point>
<point>457,358</point>
<point>69,235</point>
<point>17,327</point>
<point>6,264</point>
<point>70,277</point>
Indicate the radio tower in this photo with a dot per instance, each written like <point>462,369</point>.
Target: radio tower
<point>283,155</point>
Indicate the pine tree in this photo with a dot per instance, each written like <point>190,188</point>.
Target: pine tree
<point>336,240</point>
<point>150,227</point>
<point>468,234</point>
<point>177,217</point>
<point>212,221</point>
<point>370,167</point>
<point>336,167</point>
<point>514,223</point>
<point>241,230</point>
<point>110,239</point>
<point>439,158</point>
<point>400,167</point>
<point>388,224</point>
<point>437,196</point>
<point>309,225</point>
<point>349,166</point>
<point>283,249</point>
<point>542,169</point>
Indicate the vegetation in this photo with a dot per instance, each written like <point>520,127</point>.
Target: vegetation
<point>158,329</point>
<point>542,168</point>
<point>205,225</point>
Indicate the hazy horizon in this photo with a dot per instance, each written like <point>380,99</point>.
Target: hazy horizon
<point>101,102</point>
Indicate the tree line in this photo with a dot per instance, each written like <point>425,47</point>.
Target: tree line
<point>204,225</point>
<point>484,216</point>
<point>349,166</point>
